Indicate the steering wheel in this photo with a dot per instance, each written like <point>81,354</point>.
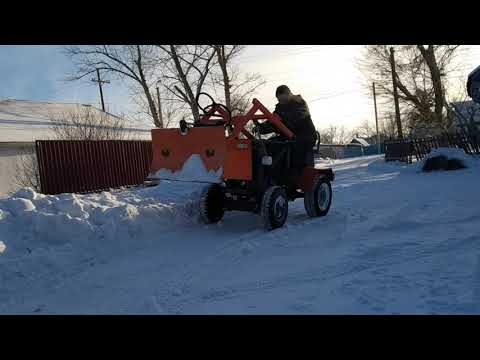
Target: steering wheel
<point>207,108</point>
<point>200,106</point>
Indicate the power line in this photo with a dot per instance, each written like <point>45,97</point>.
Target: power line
<point>291,53</point>
<point>287,52</point>
<point>331,96</point>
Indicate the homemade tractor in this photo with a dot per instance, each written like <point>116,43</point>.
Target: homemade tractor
<point>256,173</point>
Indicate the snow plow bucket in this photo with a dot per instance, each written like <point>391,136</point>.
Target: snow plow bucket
<point>172,149</point>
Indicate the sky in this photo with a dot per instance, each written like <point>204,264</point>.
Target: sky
<point>325,75</point>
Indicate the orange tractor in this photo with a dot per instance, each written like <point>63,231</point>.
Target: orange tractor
<point>255,173</point>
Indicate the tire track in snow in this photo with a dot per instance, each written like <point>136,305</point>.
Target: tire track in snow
<point>319,274</point>
<point>256,240</point>
<point>233,252</point>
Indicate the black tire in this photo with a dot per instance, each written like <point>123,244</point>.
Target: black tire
<point>274,207</point>
<point>212,204</point>
<point>318,201</point>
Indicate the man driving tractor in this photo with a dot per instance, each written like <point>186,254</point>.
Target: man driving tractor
<point>248,174</point>
<point>293,110</point>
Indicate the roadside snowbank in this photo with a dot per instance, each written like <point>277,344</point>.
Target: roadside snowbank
<point>450,153</point>
<point>29,220</point>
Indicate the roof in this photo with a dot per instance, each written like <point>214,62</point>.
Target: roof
<point>362,142</point>
<point>27,121</point>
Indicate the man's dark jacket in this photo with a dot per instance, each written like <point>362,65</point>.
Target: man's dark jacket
<point>296,117</point>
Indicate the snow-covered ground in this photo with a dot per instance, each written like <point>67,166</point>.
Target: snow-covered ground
<point>396,241</point>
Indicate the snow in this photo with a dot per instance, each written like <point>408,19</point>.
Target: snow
<point>193,170</point>
<point>396,241</point>
<point>361,141</point>
<point>449,153</point>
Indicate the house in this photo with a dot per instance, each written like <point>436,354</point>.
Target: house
<point>339,151</point>
<point>22,122</point>
<point>466,116</point>
<point>360,141</point>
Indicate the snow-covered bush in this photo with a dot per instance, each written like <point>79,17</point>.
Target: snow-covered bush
<point>446,159</point>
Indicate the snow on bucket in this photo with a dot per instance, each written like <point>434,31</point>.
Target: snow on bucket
<point>193,170</point>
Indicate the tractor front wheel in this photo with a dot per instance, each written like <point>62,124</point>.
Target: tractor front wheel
<point>318,201</point>
<point>274,207</point>
<point>212,204</point>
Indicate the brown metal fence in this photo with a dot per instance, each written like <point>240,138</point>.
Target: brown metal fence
<point>404,150</point>
<point>399,151</point>
<point>67,166</point>
<point>469,143</point>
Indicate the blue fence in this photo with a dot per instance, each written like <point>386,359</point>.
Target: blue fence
<point>348,151</point>
<point>373,150</point>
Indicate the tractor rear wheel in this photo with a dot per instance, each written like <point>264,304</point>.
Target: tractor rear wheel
<point>212,204</point>
<point>274,207</point>
<point>318,201</point>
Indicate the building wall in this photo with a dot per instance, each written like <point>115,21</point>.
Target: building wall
<point>10,156</point>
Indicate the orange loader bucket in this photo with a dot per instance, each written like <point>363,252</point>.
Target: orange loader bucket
<point>171,149</point>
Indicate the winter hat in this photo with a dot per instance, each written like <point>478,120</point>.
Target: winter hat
<point>282,89</point>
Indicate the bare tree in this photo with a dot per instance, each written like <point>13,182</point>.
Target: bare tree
<point>387,126</point>
<point>237,90</point>
<point>184,71</point>
<point>172,109</point>
<point>335,135</point>
<point>464,114</point>
<point>26,170</point>
<point>327,135</point>
<point>368,131</point>
<point>224,55</point>
<point>87,123</point>
<point>137,64</point>
<point>420,75</point>
<point>365,130</point>
<point>343,136</point>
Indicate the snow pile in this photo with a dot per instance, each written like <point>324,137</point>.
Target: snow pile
<point>451,154</point>
<point>193,170</point>
<point>29,220</point>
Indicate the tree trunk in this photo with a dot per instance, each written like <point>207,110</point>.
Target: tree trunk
<point>146,90</point>
<point>222,61</point>
<point>190,97</point>
<point>153,108</point>
<point>429,57</point>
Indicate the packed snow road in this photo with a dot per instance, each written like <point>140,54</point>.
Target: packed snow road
<point>395,241</point>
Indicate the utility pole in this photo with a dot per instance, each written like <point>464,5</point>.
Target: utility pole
<point>100,82</point>
<point>160,116</point>
<point>376,116</point>
<point>395,94</point>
